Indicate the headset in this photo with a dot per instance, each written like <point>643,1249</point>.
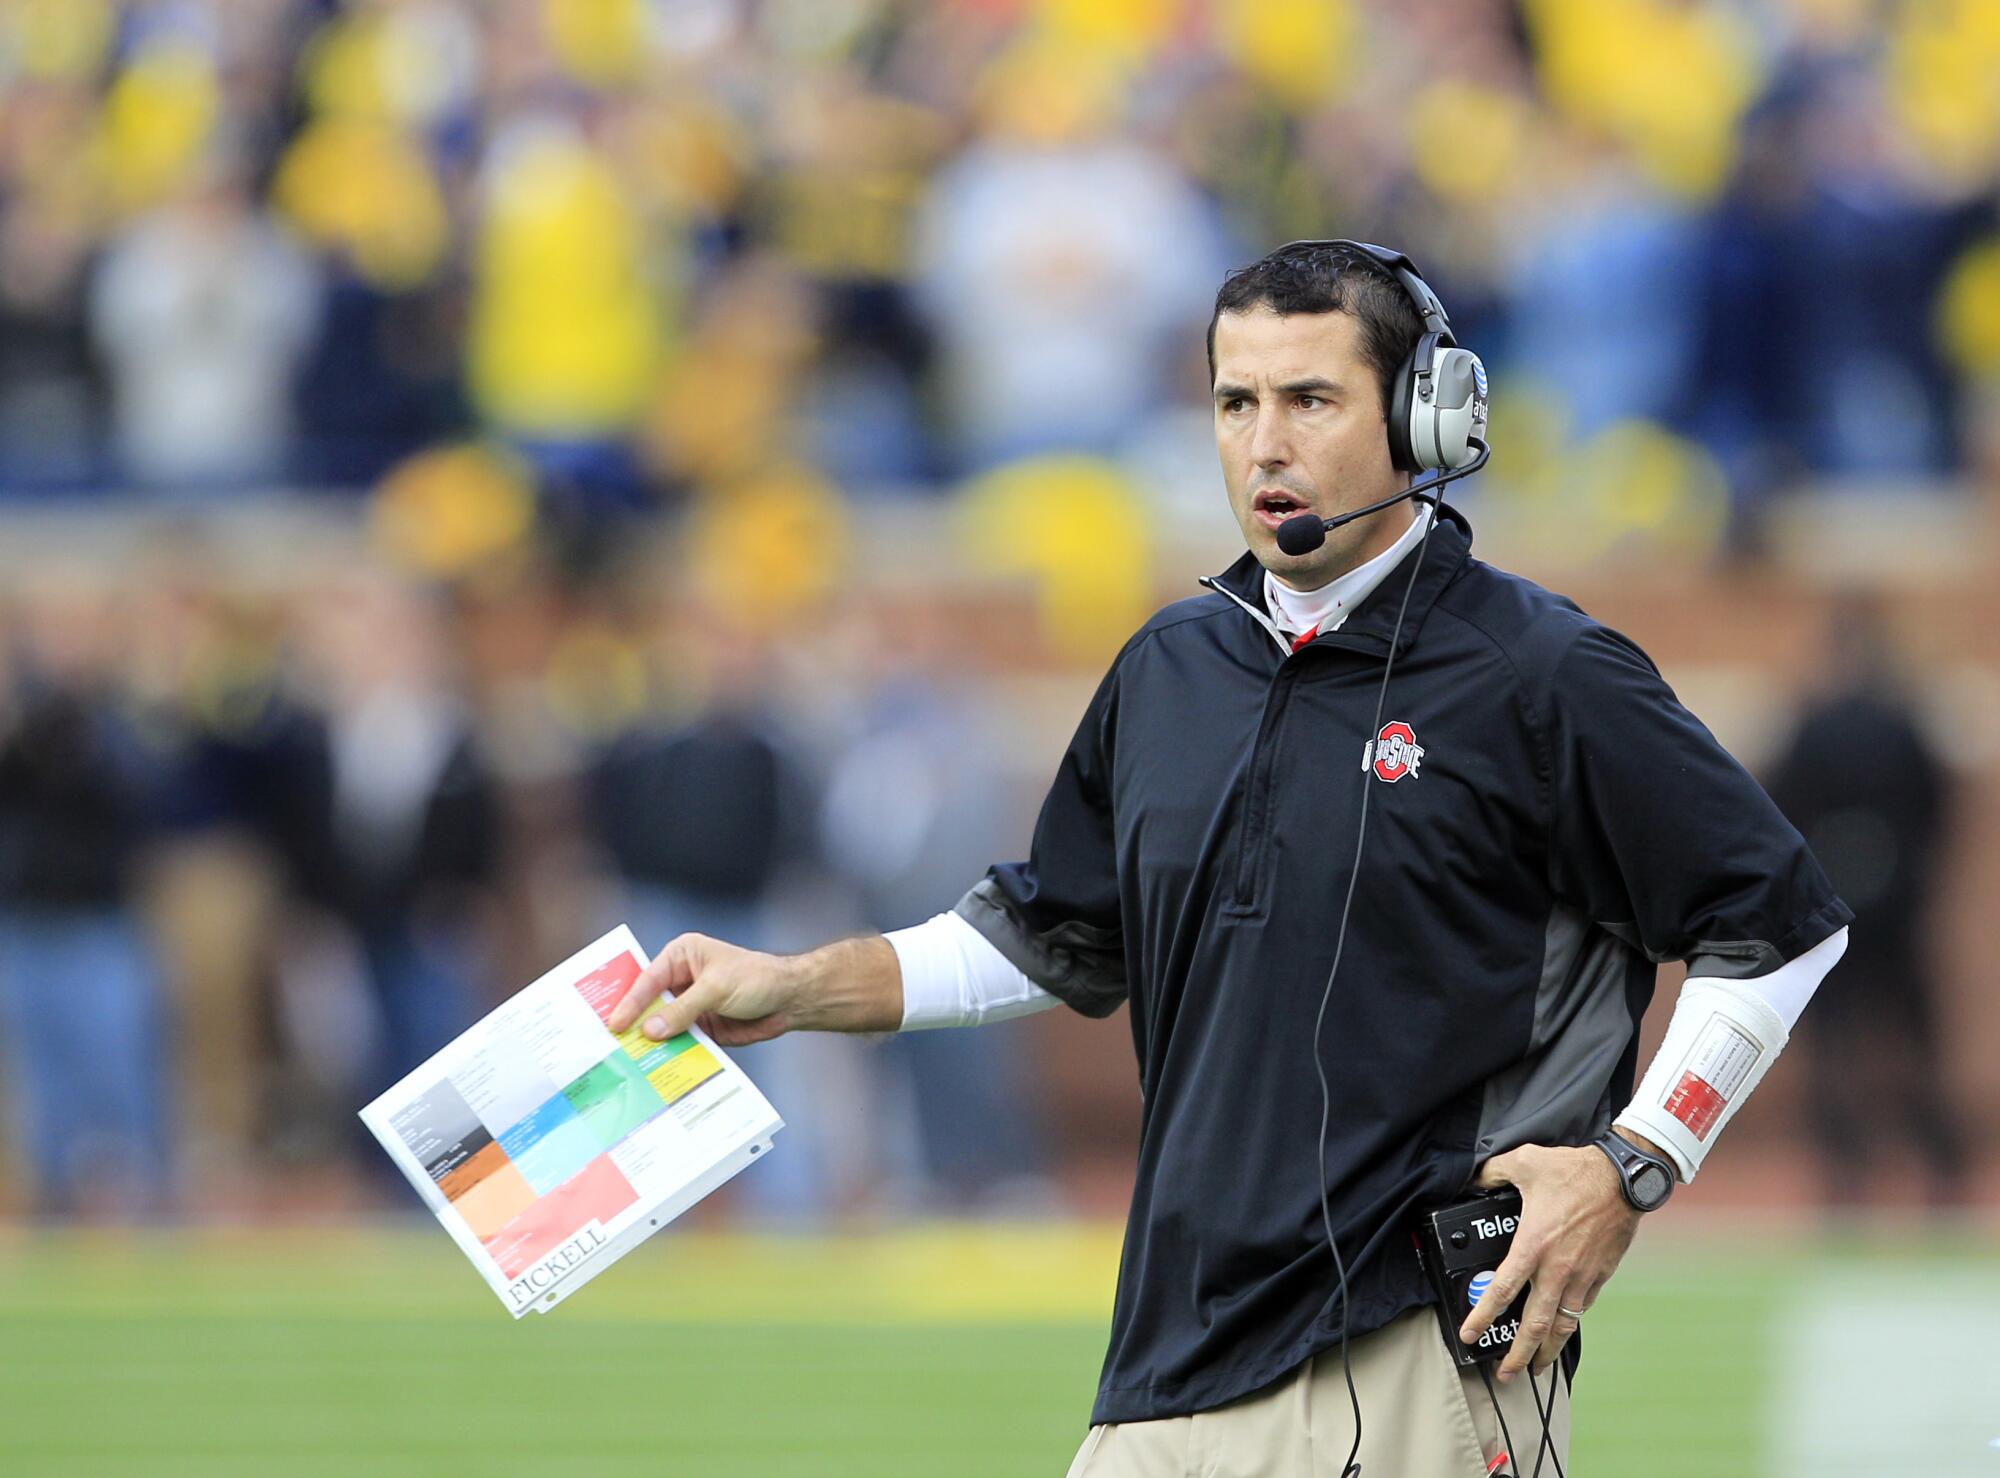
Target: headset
<point>1436,423</point>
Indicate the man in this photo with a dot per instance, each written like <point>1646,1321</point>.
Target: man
<point>1873,797</point>
<point>1545,823</point>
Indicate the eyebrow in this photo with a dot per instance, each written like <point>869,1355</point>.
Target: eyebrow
<point>1314,385</point>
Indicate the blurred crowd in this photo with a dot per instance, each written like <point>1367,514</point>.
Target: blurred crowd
<point>267,845</point>
<point>262,852</point>
<point>605,318</point>
<point>658,253</point>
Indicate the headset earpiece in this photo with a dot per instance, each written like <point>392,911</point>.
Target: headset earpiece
<point>1446,407</point>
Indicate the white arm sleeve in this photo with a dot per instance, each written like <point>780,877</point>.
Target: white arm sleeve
<point>1723,1038</point>
<point>953,976</point>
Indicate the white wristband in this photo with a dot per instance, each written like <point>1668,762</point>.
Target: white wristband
<point>1723,1038</point>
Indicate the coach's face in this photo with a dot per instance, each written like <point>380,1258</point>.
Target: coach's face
<point>1300,428</point>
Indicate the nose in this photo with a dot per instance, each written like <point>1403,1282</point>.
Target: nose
<point>1269,446</point>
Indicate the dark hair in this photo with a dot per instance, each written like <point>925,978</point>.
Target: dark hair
<point>1308,277</point>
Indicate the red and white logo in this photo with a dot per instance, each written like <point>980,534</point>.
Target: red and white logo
<point>1395,752</point>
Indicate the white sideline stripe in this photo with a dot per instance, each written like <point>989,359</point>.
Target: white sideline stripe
<point>1885,1373</point>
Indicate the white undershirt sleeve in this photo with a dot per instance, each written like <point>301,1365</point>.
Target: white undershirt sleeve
<point>953,976</point>
<point>1723,1038</point>
<point>1788,988</point>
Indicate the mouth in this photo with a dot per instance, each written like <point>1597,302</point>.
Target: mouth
<point>1272,507</point>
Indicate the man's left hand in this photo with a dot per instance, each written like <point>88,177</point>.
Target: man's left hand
<point>1575,1227</point>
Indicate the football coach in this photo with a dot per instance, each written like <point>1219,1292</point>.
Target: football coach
<point>1381,845</point>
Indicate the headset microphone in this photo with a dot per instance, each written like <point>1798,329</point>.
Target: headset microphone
<point>1302,533</point>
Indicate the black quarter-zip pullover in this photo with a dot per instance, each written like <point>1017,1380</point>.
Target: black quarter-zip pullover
<point>1547,823</point>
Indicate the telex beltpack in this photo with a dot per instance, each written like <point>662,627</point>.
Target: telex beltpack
<point>1460,1246</point>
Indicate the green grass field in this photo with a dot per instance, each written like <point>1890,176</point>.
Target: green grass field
<point>946,1352</point>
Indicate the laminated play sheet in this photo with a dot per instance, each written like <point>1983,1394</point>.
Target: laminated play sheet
<point>549,1148</point>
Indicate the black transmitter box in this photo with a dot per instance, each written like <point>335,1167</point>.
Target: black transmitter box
<point>1459,1246</point>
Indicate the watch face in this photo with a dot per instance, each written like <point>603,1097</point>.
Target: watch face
<point>1650,1185</point>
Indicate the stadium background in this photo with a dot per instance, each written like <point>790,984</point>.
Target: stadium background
<point>473,471</point>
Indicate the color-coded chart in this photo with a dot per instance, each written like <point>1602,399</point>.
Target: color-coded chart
<point>674,1068</point>
<point>546,1145</point>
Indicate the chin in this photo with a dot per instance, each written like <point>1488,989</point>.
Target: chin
<point>1295,566</point>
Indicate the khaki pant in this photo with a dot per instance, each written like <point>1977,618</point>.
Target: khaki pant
<point>1421,1417</point>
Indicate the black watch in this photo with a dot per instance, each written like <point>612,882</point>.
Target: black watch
<point>1648,1179</point>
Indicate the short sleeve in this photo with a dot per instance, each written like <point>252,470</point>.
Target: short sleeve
<point>1659,835</point>
<point>1056,916</point>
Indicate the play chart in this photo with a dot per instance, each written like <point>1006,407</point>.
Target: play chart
<point>548,1147</point>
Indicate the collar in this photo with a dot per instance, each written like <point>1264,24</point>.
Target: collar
<point>1327,607</point>
<point>1373,615</point>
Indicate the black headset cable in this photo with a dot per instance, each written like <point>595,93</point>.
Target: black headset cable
<point>1548,1447</point>
<point>1513,1460</point>
<point>1352,1469</point>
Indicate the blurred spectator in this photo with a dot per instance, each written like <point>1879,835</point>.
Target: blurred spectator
<point>1062,265</point>
<point>1600,297</point>
<point>1867,790</point>
<point>384,205</point>
<point>916,802</point>
<point>1818,355</point>
<point>264,1069</point>
<point>51,390</point>
<point>701,817</point>
<point>721,415</point>
<point>565,331</point>
<point>380,383</point>
<point>82,1018</point>
<point>838,200</point>
<point>204,312</point>
<point>692,817</point>
<point>403,836</point>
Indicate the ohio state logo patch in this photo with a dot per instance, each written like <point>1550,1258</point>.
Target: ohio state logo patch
<point>1394,752</point>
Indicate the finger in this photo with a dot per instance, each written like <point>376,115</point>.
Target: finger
<point>687,995</point>
<point>728,1033</point>
<point>676,1013</point>
<point>672,971</point>
<point>1538,1321</point>
<point>1580,1297</point>
<point>1508,1280</point>
<point>742,1033</point>
<point>1496,1172</point>
<point>1552,1347</point>
<point>1565,1325</point>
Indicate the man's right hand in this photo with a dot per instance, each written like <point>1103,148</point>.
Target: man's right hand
<point>742,995</point>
